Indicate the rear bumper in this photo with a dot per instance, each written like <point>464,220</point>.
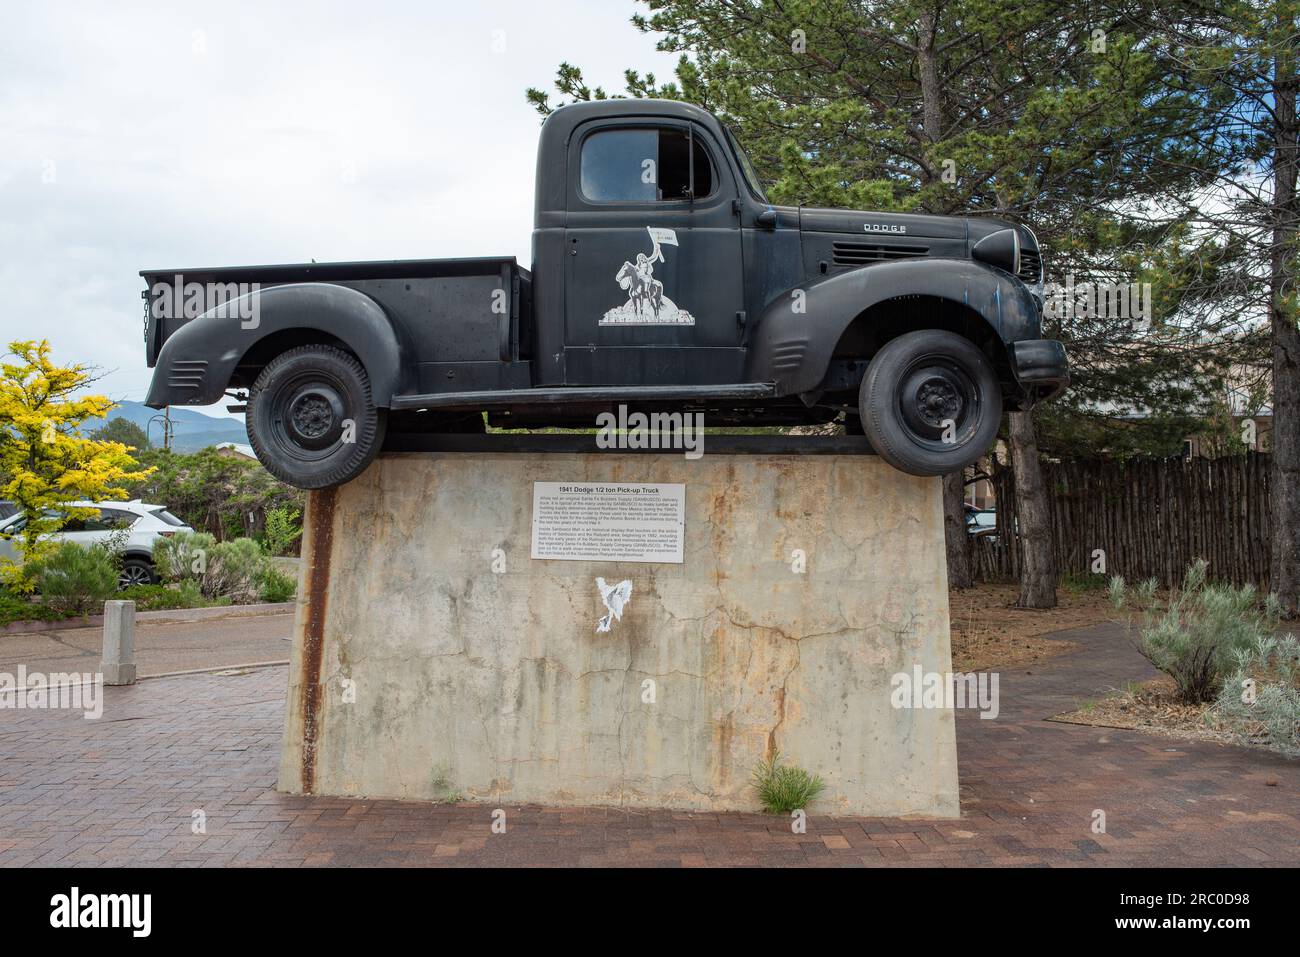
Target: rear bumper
<point>1041,367</point>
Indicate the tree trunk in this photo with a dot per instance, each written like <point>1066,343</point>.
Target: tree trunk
<point>1284,564</point>
<point>1033,513</point>
<point>932,99</point>
<point>954,530</point>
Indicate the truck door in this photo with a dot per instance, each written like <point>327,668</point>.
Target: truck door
<point>654,278</point>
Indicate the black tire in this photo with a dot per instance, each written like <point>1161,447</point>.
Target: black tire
<point>930,403</point>
<point>297,414</point>
<point>136,571</point>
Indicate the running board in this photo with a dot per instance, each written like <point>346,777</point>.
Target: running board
<point>497,399</point>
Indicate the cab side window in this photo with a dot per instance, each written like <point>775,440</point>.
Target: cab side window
<point>675,166</point>
<point>644,165</point>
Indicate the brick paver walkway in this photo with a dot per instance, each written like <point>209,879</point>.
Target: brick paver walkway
<point>123,790</point>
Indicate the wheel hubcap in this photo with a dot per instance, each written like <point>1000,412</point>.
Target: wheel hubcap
<point>133,576</point>
<point>938,403</point>
<point>315,416</point>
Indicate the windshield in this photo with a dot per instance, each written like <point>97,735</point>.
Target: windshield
<point>746,167</point>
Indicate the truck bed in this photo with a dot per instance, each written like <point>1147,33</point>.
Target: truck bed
<point>443,309</point>
<point>333,272</point>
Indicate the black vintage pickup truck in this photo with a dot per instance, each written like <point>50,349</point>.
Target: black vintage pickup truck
<point>662,280</point>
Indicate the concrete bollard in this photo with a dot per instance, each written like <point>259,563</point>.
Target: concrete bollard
<point>119,643</point>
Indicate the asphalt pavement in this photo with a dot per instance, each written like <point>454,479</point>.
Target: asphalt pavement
<point>161,647</point>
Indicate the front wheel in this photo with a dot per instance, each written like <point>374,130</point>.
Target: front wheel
<point>311,417</point>
<point>930,403</point>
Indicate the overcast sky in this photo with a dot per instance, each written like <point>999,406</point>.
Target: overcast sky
<point>171,134</point>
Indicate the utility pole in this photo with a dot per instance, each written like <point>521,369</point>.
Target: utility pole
<point>166,419</point>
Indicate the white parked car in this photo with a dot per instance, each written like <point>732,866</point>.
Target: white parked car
<point>143,524</point>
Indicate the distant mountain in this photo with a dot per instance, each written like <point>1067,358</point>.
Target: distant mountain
<point>191,430</point>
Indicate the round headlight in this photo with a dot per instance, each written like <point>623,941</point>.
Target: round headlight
<point>1001,249</point>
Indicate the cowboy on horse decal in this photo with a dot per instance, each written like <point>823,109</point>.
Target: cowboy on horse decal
<point>646,303</point>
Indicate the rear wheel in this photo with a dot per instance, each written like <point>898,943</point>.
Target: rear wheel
<point>930,403</point>
<point>136,571</point>
<point>312,419</point>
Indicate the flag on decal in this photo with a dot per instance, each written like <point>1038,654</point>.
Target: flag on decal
<point>658,235</point>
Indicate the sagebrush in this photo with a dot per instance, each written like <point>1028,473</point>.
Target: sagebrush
<point>183,555</point>
<point>1260,700</point>
<point>1196,636</point>
<point>237,570</point>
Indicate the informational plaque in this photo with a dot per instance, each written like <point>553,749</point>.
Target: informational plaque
<point>595,521</point>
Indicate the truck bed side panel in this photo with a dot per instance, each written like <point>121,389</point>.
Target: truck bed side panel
<point>464,323</point>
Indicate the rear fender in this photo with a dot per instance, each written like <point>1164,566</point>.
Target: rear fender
<point>197,361</point>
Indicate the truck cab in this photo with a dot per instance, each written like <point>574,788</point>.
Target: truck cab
<point>638,200</point>
<point>662,278</point>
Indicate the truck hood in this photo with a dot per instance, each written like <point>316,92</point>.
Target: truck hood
<point>861,222</point>
<point>882,236</point>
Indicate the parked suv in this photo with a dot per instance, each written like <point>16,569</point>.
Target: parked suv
<point>143,525</point>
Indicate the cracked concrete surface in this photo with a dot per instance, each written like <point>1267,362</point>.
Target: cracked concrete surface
<point>497,686</point>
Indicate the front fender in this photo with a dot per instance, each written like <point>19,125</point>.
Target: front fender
<point>793,347</point>
<point>196,362</point>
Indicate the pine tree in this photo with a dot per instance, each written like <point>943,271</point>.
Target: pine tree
<point>1247,53</point>
<point>1058,115</point>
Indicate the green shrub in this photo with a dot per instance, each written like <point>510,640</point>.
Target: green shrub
<point>282,531</point>
<point>14,607</point>
<point>785,788</point>
<point>1078,582</point>
<point>275,585</point>
<point>1260,701</point>
<point>1197,637</point>
<point>186,594</point>
<point>149,597</point>
<point>183,555</point>
<point>76,580</point>
<point>234,569</point>
<point>209,490</point>
<point>191,593</point>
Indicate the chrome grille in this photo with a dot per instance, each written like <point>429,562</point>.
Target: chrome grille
<point>1031,266</point>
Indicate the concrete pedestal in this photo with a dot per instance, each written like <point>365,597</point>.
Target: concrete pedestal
<point>434,658</point>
